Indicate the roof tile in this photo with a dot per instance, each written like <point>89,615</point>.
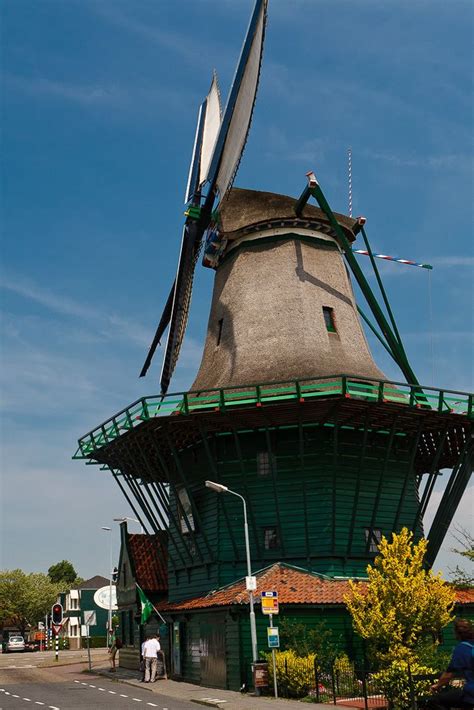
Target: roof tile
<point>150,558</point>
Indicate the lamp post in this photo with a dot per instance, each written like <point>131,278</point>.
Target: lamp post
<point>109,623</point>
<point>133,520</point>
<point>219,488</point>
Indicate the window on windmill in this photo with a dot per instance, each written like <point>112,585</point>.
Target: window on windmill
<point>219,330</point>
<point>329,321</point>
<point>265,463</point>
<point>375,535</point>
<point>271,540</point>
<point>185,512</point>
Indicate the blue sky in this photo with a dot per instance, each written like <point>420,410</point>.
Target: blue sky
<point>99,100</point>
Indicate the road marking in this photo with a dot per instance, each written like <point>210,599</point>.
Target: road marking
<point>53,707</point>
<point>91,686</point>
<point>77,681</point>
<point>153,705</point>
<point>137,700</point>
<point>28,700</point>
<point>102,689</point>
<point>15,696</point>
<point>112,692</point>
<point>82,683</point>
<point>123,696</point>
<point>38,702</point>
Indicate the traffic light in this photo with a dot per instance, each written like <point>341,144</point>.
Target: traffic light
<point>57,613</point>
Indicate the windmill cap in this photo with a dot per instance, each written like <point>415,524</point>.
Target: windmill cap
<point>242,209</point>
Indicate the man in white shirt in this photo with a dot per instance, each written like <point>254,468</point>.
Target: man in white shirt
<point>150,653</point>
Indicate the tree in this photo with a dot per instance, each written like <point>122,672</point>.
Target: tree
<point>400,612</point>
<point>62,572</point>
<point>25,598</point>
<point>461,578</point>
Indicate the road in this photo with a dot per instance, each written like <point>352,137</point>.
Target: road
<point>68,688</point>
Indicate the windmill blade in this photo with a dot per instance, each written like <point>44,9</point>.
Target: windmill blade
<point>239,108</point>
<point>208,123</point>
<point>211,128</point>
<point>226,145</point>
<point>162,325</point>
<point>190,243</point>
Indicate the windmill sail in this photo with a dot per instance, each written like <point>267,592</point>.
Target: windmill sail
<point>209,120</point>
<point>218,147</point>
<point>211,128</point>
<point>239,108</point>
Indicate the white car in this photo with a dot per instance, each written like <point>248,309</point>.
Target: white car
<point>15,643</point>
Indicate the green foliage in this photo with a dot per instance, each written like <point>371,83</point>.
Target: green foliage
<point>402,602</point>
<point>462,578</point>
<point>25,598</point>
<point>399,683</point>
<point>295,674</point>
<point>95,642</point>
<point>62,572</point>
<point>296,636</point>
<point>399,612</point>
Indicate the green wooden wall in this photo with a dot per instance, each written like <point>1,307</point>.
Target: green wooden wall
<point>322,489</point>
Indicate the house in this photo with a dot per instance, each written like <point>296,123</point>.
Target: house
<point>90,595</point>
<point>143,563</point>
<point>211,641</point>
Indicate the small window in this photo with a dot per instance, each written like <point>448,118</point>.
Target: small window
<point>219,331</point>
<point>329,321</point>
<point>271,540</point>
<point>375,536</point>
<point>186,517</point>
<point>264,463</point>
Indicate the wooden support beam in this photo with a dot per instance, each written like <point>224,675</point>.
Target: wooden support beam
<point>383,472</point>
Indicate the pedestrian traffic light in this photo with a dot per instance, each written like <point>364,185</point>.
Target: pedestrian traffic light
<point>57,613</point>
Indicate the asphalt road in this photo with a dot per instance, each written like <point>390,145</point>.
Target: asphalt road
<point>67,688</point>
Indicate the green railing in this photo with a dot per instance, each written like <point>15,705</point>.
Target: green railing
<point>347,386</point>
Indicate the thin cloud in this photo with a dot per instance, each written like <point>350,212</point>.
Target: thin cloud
<point>111,326</point>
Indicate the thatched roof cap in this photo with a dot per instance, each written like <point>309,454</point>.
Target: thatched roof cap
<point>245,208</point>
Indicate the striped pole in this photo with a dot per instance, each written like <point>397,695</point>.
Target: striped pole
<point>409,262</point>
<point>349,156</point>
<point>56,639</point>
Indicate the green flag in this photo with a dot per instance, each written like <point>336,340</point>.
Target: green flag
<point>147,606</point>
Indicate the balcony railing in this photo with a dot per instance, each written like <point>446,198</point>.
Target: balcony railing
<point>348,386</point>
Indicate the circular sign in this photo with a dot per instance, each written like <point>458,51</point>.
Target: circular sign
<point>102,598</point>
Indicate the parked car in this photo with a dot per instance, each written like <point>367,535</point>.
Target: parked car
<point>32,645</point>
<point>15,643</point>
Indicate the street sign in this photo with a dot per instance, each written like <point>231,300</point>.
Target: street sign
<point>273,637</point>
<point>57,628</point>
<point>269,602</point>
<point>250,584</point>
<point>90,618</point>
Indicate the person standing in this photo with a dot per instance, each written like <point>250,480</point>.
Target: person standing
<point>151,648</point>
<point>461,665</point>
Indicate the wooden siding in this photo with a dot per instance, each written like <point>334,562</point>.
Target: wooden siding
<point>323,490</point>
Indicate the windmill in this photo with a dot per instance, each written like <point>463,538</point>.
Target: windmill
<point>288,406</point>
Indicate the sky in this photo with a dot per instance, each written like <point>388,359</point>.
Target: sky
<point>99,103</point>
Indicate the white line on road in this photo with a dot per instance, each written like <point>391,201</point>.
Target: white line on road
<point>102,689</point>
<point>15,696</point>
<point>153,705</point>
<point>91,686</point>
<point>123,696</point>
<point>28,700</point>
<point>53,707</point>
<point>112,692</point>
<point>38,702</point>
<point>137,700</point>
<point>77,681</point>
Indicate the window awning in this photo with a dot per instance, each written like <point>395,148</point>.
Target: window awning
<point>74,594</point>
<point>73,621</point>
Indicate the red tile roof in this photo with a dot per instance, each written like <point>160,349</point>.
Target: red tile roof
<point>149,555</point>
<point>294,586</point>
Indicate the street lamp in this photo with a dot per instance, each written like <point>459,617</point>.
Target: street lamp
<point>219,488</point>
<point>133,520</point>
<point>109,624</point>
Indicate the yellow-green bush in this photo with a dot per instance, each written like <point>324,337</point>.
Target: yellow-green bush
<point>395,680</point>
<point>295,675</point>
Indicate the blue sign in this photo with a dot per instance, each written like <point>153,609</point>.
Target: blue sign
<point>273,637</point>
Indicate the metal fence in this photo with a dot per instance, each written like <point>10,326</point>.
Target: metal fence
<point>338,684</point>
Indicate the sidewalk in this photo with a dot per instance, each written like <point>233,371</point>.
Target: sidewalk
<point>209,697</point>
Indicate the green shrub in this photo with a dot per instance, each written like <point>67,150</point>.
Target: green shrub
<point>295,675</point>
<point>95,642</point>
